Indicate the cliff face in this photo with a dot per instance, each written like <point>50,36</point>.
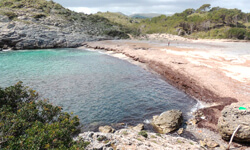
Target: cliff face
<point>45,24</point>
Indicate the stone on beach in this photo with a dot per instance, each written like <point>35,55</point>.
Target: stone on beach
<point>168,121</point>
<point>231,117</point>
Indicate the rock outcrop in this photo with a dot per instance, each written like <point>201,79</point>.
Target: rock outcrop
<point>168,121</point>
<point>131,139</point>
<point>232,116</point>
<point>50,26</point>
<point>139,127</point>
<point>106,129</point>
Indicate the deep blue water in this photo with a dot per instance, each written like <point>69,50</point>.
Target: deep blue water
<point>100,89</point>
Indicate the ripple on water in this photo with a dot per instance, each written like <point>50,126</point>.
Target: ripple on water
<point>100,89</point>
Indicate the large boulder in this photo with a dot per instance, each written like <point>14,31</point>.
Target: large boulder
<point>232,116</point>
<point>168,121</point>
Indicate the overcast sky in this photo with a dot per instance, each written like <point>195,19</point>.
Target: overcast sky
<point>148,6</point>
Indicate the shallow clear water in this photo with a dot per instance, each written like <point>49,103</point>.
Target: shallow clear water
<point>100,89</point>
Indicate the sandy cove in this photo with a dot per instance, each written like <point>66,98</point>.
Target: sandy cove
<point>214,77</point>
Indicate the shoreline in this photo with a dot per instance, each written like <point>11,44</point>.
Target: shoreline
<point>117,51</point>
<point>145,53</point>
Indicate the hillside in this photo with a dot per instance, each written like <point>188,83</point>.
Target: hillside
<point>204,22</point>
<point>128,24</point>
<point>28,24</point>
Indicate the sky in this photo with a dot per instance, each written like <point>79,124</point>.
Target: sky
<point>129,7</point>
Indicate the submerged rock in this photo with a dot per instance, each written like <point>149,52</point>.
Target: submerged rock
<point>168,121</point>
<point>232,116</point>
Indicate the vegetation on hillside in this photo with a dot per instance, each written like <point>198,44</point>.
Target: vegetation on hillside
<point>29,123</point>
<point>204,22</point>
<point>125,22</point>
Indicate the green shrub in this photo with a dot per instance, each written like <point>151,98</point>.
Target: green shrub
<point>247,35</point>
<point>29,123</point>
<point>38,16</point>
<point>143,133</point>
<point>238,33</point>
<point>6,4</point>
<point>102,138</point>
<point>115,33</point>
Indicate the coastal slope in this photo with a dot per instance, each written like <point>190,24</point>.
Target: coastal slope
<point>46,24</point>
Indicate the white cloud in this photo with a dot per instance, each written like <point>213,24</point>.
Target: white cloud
<point>85,10</point>
<point>148,6</point>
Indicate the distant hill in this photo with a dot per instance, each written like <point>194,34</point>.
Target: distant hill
<point>144,15</point>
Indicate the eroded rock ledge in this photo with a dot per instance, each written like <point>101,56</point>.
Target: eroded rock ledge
<point>133,139</point>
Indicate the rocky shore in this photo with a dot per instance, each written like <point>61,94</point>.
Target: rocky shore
<point>133,139</point>
<point>199,75</point>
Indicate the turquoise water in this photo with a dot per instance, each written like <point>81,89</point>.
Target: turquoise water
<point>100,89</point>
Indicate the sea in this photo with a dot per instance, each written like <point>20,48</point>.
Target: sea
<point>99,88</point>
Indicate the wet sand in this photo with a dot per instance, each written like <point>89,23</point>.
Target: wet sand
<point>217,73</point>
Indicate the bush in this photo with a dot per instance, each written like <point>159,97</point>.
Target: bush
<point>115,33</point>
<point>29,123</point>
<point>247,35</point>
<point>6,4</point>
<point>38,16</point>
<point>143,133</point>
<point>238,33</point>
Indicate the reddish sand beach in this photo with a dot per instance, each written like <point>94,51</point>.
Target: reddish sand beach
<point>215,72</point>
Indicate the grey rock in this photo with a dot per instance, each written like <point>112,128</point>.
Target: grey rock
<point>209,143</point>
<point>97,146</point>
<point>4,18</point>
<point>212,144</point>
<point>231,117</point>
<point>180,131</point>
<point>108,148</point>
<point>12,25</point>
<point>168,121</point>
